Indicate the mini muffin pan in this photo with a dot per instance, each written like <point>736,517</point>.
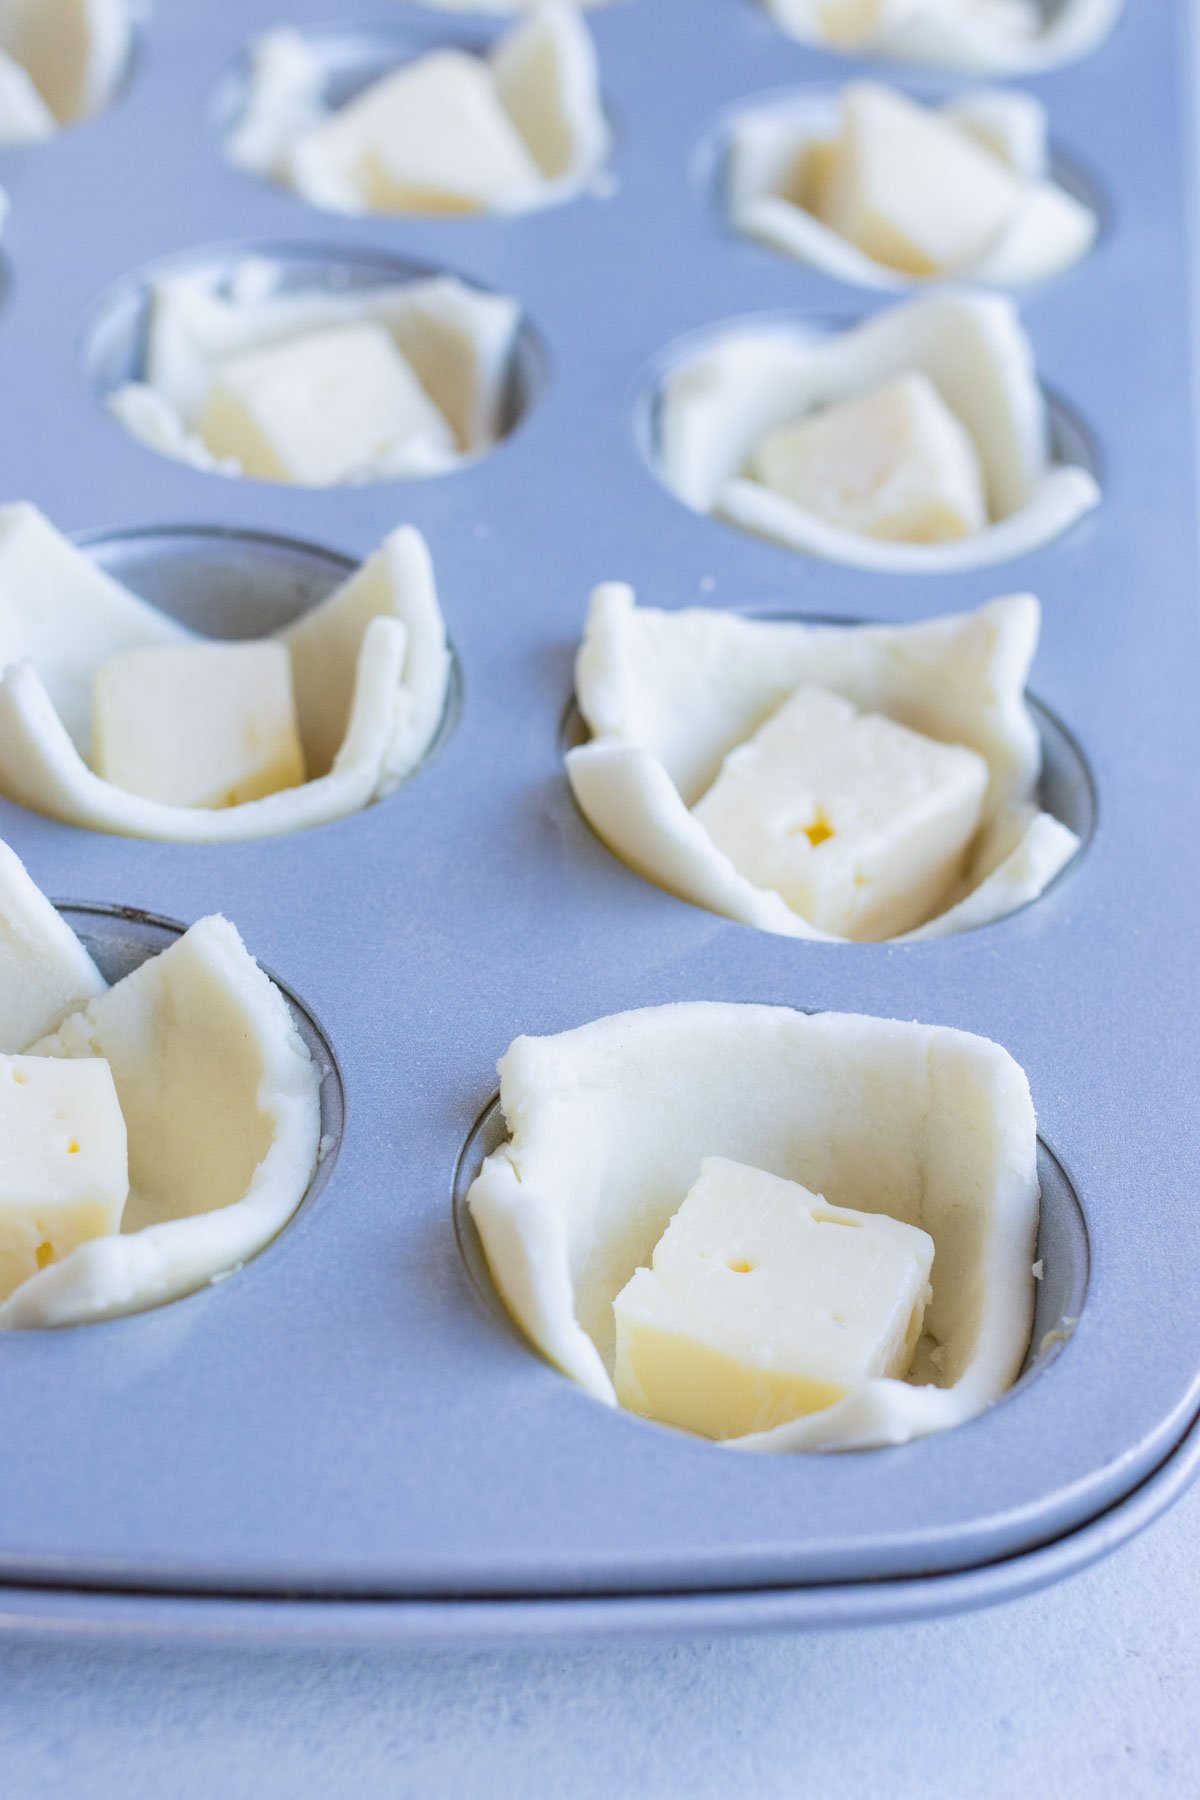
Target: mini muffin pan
<point>347,1438</point>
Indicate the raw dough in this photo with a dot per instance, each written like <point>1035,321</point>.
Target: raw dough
<point>668,695</point>
<point>370,666</point>
<point>45,972</point>
<point>719,405</point>
<point>458,342</point>
<point>611,1122</point>
<point>775,152</point>
<point>220,1097</point>
<point>988,37</point>
<point>24,116</point>
<point>524,128</point>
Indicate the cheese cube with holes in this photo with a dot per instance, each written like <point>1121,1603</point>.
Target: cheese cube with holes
<point>910,188</point>
<point>431,138</point>
<point>892,463</point>
<point>763,1303</point>
<point>860,824</point>
<point>64,1168</point>
<point>198,724</point>
<point>320,409</point>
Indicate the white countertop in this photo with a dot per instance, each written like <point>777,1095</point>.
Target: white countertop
<point>1089,1690</point>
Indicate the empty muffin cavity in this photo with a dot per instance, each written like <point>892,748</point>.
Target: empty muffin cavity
<point>919,441</point>
<point>985,37</point>
<point>229,1094</point>
<point>827,781</point>
<point>215,686</point>
<point>312,370</point>
<point>871,186</point>
<point>402,121</point>
<point>608,1124</point>
<point>61,61</point>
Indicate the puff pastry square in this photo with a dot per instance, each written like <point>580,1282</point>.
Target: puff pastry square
<point>610,1124</point>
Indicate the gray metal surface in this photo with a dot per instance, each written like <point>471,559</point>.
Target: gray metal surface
<point>348,1416</point>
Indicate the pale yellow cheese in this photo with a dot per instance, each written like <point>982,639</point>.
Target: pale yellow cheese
<point>860,824</point>
<point>319,409</point>
<point>910,188</point>
<point>892,463</point>
<point>432,138</point>
<point>849,24</point>
<point>64,1168</point>
<point>198,724</point>
<point>804,178</point>
<point>764,1303</point>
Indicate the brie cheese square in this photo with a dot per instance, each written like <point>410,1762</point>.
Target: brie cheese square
<point>763,1303</point>
<point>317,409</point>
<point>848,23</point>
<point>860,824</point>
<point>434,137</point>
<point>198,724</point>
<point>64,1172</point>
<point>892,463</point>
<point>910,188</point>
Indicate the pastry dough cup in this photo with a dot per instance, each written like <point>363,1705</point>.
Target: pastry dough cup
<point>926,31</point>
<point>750,153</point>
<point>232,1100</point>
<point>290,81</point>
<point>374,673</point>
<point>667,695</point>
<point>609,1124</point>
<point>716,400</point>
<point>158,338</point>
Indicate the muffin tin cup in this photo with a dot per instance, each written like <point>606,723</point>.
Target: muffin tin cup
<point>350,1441</point>
<point>120,939</point>
<point>814,107</point>
<point>355,55</point>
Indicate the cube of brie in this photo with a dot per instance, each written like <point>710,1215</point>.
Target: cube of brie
<point>892,463</point>
<point>432,138</point>
<point>849,23</point>
<point>198,724</point>
<point>64,1174</point>
<point>764,1303</point>
<point>910,188</point>
<point>860,824</point>
<point>319,409</point>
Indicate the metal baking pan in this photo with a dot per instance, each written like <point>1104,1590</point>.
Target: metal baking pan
<point>347,1438</point>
